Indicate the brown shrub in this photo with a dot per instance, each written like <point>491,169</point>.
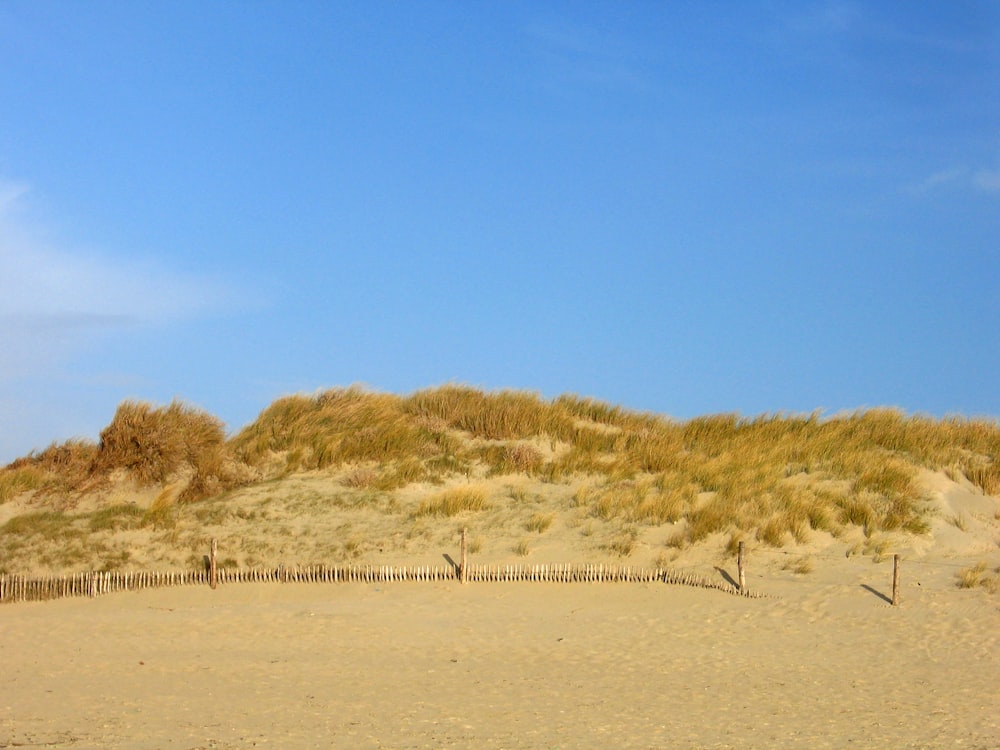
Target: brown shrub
<point>154,444</point>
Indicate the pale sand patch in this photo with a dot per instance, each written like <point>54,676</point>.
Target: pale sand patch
<point>824,664</point>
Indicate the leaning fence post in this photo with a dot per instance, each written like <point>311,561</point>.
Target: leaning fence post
<point>464,572</point>
<point>895,580</point>
<point>741,570</point>
<point>212,572</point>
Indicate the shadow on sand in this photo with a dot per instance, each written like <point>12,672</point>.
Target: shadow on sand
<point>729,578</point>
<point>877,593</point>
<point>454,565</point>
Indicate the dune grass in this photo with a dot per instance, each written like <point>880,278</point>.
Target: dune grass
<point>453,501</point>
<point>539,522</point>
<point>773,478</point>
<point>979,575</point>
<point>17,481</point>
<point>151,445</point>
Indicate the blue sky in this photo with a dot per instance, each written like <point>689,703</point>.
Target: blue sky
<point>680,207</point>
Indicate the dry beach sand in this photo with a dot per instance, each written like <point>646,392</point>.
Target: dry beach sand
<point>823,661</point>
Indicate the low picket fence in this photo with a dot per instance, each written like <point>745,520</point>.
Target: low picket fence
<point>16,588</point>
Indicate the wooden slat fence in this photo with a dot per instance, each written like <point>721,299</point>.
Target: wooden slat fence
<point>15,588</point>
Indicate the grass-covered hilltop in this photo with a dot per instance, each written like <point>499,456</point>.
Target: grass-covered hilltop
<point>350,474</point>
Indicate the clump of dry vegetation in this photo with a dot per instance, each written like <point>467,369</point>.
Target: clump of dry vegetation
<point>453,501</point>
<point>148,445</point>
<point>979,575</point>
<point>775,478</point>
<point>539,522</point>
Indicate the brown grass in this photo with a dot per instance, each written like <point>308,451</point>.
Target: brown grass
<point>453,501</point>
<point>977,576</point>
<point>775,479</point>
<point>539,522</point>
<point>153,444</point>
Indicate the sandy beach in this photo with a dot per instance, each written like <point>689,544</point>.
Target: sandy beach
<point>821,663</point>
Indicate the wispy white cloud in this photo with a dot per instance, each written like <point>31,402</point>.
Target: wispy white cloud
<point>987,180</point>
<point>826,18</point>
<point>941,179</point>
<point>959,178</point>
<point>10,194</point>
<point>55,300</point>
<point>59,303</point>
<point>837,17</point>
<point>847,18</point>
<point>575,55</point>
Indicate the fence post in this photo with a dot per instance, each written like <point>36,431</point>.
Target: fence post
<point>464,572</point>
<point>212,572</point>
<point>895,580</point>
<point>741,570</point>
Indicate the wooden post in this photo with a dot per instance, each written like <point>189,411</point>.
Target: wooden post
<point>895,580</point>
<point>741,570</point>
<point>213,573</point>
<point>465,560</point>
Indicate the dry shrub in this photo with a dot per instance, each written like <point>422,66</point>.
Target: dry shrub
<point>155,444</point>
